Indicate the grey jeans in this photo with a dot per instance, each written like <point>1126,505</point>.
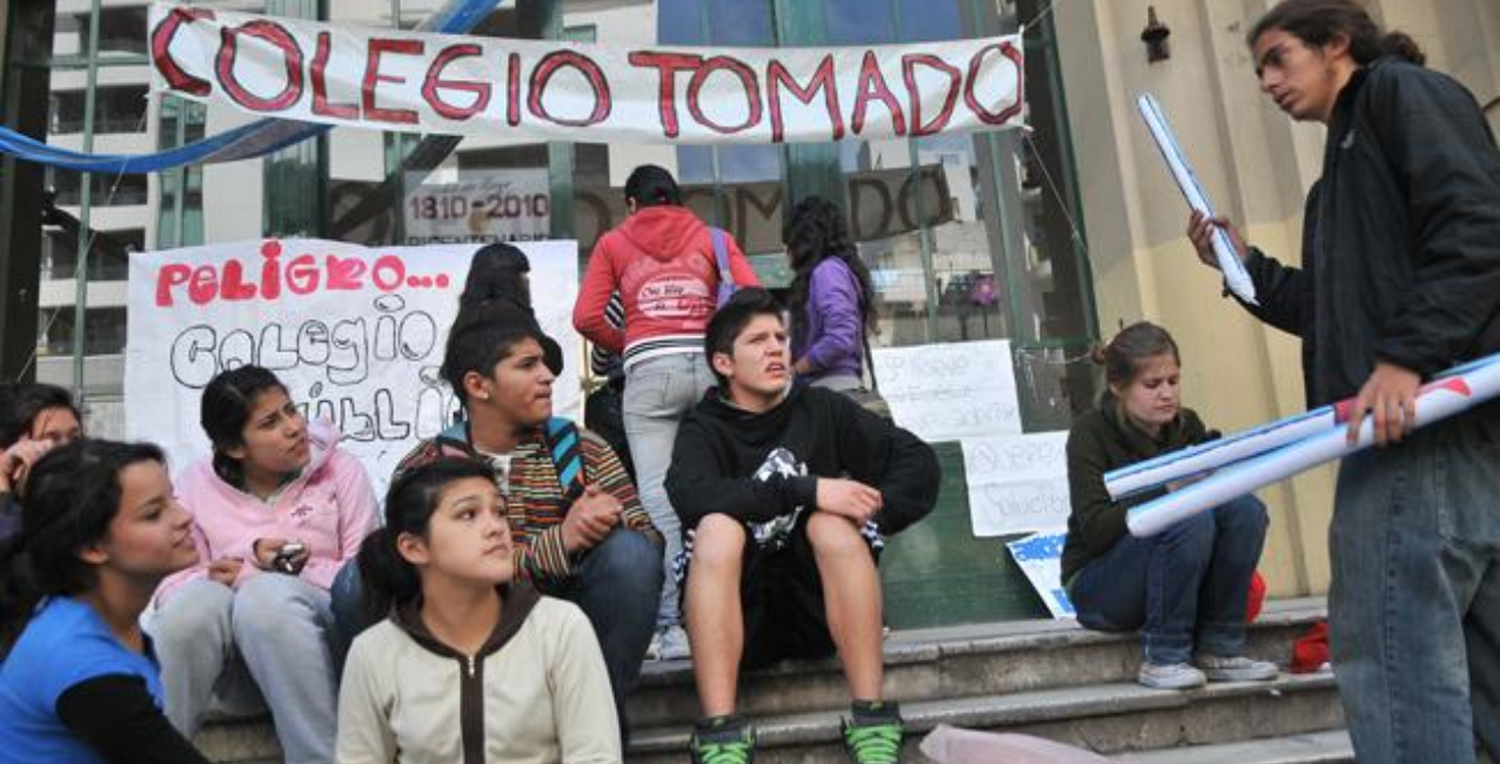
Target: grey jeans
<point>659,392</point>
<point>237,652</point>
<point>1414,610</point>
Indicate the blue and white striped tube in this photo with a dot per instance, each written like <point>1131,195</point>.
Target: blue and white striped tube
<point>1204,458</point>
<point>1453,394</point>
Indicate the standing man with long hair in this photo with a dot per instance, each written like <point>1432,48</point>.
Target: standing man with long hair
<point>1400,279</point>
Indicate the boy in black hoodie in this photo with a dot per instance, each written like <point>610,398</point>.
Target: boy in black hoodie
<point>786,493</point>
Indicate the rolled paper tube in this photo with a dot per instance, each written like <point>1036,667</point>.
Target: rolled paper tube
<point>1235,276</point>
<point>1437,401</point>
<point>1216,454</point>
<point>1206,457</point>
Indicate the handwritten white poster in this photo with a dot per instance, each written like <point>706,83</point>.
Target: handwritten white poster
<point>1017,483</point>
<point>356,334</point>
<point>951,391</point>
<point>1040,557</point>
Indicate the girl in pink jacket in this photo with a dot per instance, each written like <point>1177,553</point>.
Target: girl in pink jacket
<point>277,510</point>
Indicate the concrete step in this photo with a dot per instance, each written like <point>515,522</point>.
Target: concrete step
<point>933,664</point>
<point>1332,747</point>
<point>924,669</point>
<point>1108,719</point>
<point>239,741</point>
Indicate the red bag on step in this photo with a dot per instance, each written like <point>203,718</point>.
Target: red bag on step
<point>1310,651</point>
<point>1257,597</point>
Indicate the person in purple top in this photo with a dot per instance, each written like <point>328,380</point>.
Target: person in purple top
<point>831,298</point>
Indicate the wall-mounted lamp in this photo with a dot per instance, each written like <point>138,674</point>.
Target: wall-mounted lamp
<point>1155,36</point>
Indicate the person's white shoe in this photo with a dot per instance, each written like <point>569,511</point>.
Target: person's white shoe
<point>674,644</point>
<point>1235,668</point>
<point>1174,676</point>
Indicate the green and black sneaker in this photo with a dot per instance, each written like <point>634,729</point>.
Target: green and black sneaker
<point>873,734</point>
<point>723,740</point>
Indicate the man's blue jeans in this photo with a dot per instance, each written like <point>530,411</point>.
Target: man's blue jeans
<point>1414,611</point>
<point>1185,587</point>
<point>617,585</point>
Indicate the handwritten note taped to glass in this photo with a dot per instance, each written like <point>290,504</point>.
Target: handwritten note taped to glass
<point>951,391</point>
<point>1017,483</point>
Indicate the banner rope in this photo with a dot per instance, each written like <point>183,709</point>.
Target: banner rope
<point>1051,185</point>
<point>1039,17</point>
<point>81,261</point>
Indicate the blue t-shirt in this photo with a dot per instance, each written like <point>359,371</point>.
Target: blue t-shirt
<point>64,644</point>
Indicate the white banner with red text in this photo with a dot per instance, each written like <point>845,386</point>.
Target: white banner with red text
<point>532,91</point>
<point>356,334</point>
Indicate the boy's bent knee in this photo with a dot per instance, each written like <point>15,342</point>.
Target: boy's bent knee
<point>830,533</point>
<point>717,540</point>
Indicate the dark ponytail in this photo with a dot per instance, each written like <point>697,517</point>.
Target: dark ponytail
<point>495,273</point>
<point>389,579</point>
<point>1317,22</point>
<point>1402,46</point>
<point>70,498</point>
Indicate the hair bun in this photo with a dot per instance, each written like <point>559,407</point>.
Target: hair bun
<point>1099,353</point>
<point>1401,45</point>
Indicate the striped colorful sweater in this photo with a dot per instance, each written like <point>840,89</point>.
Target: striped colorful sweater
<point>534,495</point>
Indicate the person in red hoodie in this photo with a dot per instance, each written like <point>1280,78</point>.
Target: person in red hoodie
<point>668,268</point>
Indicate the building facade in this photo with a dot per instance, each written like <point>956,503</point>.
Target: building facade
<point>1050,238</point>
<point>1257,165</point>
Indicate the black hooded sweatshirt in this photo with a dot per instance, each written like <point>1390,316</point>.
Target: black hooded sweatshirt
<point>760,467</point>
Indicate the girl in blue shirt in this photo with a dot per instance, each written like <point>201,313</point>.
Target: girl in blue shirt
<point>78,679</point>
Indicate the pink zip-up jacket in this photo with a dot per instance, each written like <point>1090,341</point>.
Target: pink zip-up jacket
<point>330,507</point>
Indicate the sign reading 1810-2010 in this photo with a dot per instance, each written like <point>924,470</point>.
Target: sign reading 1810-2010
<point>484,206</point>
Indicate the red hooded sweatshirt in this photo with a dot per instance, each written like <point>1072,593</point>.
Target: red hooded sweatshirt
<point>661,261</point>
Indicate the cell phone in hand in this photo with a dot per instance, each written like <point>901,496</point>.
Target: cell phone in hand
<point>289,558</point>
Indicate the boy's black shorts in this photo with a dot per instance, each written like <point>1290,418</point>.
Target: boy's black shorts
<point>781,597</point>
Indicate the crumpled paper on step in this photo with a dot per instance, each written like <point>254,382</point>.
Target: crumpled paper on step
<point>954,745</point>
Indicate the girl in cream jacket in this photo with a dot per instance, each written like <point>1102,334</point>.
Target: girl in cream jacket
<point>470,665</point>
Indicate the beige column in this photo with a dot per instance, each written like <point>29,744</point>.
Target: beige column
<point>1256,165</point>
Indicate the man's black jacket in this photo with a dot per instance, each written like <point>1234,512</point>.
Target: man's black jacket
<point>1401,245</point>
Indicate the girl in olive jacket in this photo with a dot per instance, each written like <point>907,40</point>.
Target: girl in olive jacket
<point>1187,588</point>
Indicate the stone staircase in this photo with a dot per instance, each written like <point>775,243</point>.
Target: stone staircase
<point>1046,678</point>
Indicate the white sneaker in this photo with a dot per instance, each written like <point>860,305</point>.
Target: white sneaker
<point>653,648</point>
<point>674,644</point>
<point>1175,676</point>
<point>1237,668</point>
